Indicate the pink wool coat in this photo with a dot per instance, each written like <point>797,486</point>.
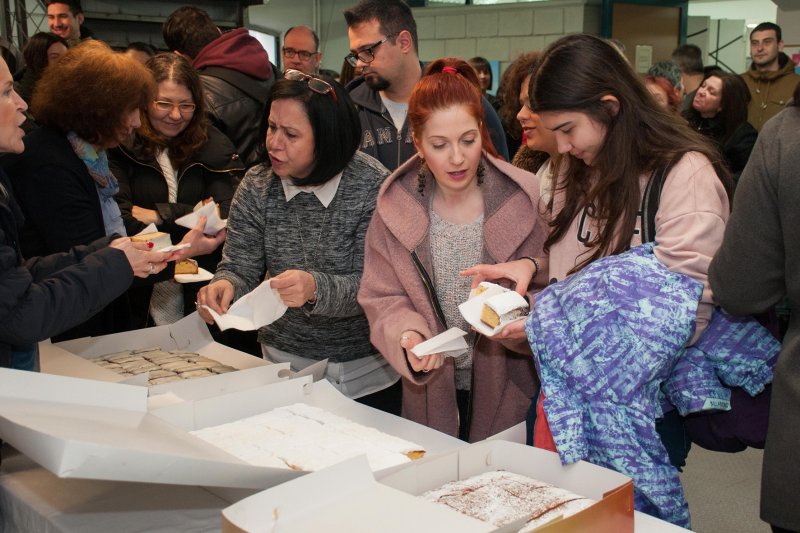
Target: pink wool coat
<point>396,296</point>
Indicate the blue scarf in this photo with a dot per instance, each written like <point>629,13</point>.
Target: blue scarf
<point>105,182</point>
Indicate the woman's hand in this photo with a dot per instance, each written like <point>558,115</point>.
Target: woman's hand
<point>514,331</point>
<point>143,262</point>
<point>295,287</point>
<point>218,296</point>
<point>201,244</point>
<point>408,340</point>
<point>145,216</point>
<point>520,272</point>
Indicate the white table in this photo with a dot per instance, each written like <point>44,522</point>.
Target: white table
<point>33,499</point>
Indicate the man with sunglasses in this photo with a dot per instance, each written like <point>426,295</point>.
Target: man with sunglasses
<point>301,50</point>
<point>383,40</point>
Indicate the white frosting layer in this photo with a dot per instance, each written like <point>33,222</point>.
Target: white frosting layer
<point>487,290</point>
<point>304,437</point>
<point>505,303</point>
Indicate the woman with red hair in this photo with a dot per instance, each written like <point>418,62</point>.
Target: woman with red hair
<point>664,93</point>
<point>453,205</point>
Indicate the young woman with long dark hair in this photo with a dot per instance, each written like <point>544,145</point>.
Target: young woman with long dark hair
<point>615,140</point>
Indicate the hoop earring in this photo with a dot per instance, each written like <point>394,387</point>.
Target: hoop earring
<point>481,172</point>
<point>422,175</point>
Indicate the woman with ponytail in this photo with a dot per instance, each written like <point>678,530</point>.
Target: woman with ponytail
<point>452,205</point>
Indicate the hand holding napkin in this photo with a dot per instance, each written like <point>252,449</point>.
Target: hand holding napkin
<point>451,343</point>
<point>255,309</point>
<point>214,224</point>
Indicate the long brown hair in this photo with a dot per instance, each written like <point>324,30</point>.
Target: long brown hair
<point>734,100</point>
<point>172,67</point>
<point>575,73</point>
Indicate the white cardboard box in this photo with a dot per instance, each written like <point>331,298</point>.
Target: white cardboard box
<point>74,358</point>
<point>342,498</point>
<point>322,501</point>
<point>79,428</point>
<point>613,512</point>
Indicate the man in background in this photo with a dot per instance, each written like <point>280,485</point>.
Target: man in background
<point>301,50</point>
<point>771,78</point>
<point>235,71</point>
<point>383,40</point>
<point>689,59</point>
<point>65,19</point>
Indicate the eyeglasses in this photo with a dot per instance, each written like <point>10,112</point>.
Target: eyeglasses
<point>291,52</point>
<point>367,54</point>
<point>167,107</point>
<point>315,84</point>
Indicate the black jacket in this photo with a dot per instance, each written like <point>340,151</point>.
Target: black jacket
<point>380,138</point>
<point>61,208</point>
<point>236,104</point>
<point>736,149</point>
<point>214,171</point>
<point>44,296</point>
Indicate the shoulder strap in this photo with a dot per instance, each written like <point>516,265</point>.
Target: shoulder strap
<point>651,199</point>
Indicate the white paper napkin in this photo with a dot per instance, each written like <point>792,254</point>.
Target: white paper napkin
<point>451,343</point>
<point>151,228</point>
<point>175,247</point>
<point>257,308</point>
<point>213,223</point>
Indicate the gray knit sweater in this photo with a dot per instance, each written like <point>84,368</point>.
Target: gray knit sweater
<point>264,236</point>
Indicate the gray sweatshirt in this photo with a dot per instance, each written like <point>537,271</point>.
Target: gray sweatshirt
<point>264,236</point>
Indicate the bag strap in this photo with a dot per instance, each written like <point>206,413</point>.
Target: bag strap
<point>651,199</point>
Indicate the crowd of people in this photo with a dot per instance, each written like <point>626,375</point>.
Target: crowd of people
<point>374,203</point>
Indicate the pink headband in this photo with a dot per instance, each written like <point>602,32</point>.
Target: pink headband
<point>449,70</point>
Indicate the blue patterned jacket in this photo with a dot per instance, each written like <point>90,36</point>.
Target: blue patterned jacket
<point>607,340</point>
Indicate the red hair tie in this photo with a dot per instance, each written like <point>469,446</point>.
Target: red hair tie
<point>449,69</point>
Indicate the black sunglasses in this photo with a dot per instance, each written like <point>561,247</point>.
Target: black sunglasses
<point>367,54</point>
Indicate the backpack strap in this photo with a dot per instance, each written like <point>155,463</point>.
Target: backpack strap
<point>651,199</point>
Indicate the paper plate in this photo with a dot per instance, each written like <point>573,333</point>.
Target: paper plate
<point>471,311</point>
<point>202,275</point>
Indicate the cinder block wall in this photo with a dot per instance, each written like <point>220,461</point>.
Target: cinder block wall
<point>501,32</point>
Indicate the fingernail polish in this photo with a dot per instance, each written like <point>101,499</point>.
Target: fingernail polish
<point>150,245</point>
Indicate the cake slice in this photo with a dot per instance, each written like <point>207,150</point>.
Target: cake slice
<point>503,308</point>
<point>159,239</point>
<point>187,266</point>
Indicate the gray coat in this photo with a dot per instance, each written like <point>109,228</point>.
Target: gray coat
<point>268,234</point>
<point>759,263</point>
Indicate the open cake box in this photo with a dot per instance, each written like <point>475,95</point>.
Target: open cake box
<point>347,498</point>
<point>73,358</point>
<point>79,428</point>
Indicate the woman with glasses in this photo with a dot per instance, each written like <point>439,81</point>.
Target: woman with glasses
<point>300,220</point>
<point>449,207</point>
<point>87,103</point>
<point>175,161</point>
